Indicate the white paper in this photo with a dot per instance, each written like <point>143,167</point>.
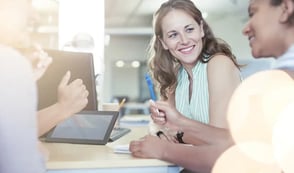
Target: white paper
<point>123,149</point>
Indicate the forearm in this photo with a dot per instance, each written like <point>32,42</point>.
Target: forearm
<point>195,158</point>
<point>197,133</point>
<point>50,117</point>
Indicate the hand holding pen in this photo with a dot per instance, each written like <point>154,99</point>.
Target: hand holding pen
<point>168,115</point>
<point>152,94</point>
<point>157,116</point>
<point>160,117</point>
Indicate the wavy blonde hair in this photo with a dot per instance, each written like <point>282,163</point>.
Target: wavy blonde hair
<point>163,65</point>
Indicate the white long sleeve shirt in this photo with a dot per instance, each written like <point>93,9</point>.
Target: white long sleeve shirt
<point>18,113</point>
<point>285,61</point>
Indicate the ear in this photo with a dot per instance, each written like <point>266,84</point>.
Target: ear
<point>287,10</point>
<point>163,43</point>
<point>201,29</point>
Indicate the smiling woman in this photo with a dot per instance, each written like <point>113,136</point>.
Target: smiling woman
<point>196,74</point>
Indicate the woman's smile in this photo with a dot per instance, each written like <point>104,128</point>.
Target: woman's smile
<point>187,50</point>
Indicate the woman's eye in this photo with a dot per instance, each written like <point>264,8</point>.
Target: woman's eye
<point>172,35</point>
<point>250,14</point>
<point>189,30</point>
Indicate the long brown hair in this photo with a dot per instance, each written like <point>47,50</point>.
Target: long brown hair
<point>163,65</point>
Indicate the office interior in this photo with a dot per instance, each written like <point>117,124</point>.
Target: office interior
<point>121,32</point>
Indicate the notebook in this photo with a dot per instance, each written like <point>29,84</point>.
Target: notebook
<point>81,66</point>
<point>86,127</point>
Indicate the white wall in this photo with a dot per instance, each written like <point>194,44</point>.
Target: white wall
<point>133,47</point>
<point>123,81</point>
<point>230,28</point>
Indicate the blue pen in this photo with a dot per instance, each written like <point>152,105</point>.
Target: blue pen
<point>150,86</point>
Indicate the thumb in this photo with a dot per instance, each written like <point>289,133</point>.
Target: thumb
<point>64,81</point>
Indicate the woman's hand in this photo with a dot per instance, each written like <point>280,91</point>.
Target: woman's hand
<point>157,116</point>
<point>39,59</point>
<point>72,97</point>
<point>148,147</point>
<point>162,113</point>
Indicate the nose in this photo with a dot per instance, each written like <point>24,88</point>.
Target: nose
<point>246,29</point>
<point>184,39</point>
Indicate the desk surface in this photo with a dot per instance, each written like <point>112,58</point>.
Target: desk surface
<point>76,156</point>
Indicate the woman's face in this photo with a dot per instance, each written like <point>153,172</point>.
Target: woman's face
<point>264,29</point>
<point>17,15</point>
<point>182,36</point>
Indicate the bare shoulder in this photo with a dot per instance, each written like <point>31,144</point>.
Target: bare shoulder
<point>221,61</point>
<point>222,67</point>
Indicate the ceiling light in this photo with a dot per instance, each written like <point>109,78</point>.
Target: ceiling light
<point>120,63</point>
<point>135,64</point>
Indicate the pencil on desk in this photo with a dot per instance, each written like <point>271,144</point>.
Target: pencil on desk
<point>121,104</point>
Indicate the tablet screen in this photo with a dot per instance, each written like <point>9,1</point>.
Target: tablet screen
<point>90,127</point>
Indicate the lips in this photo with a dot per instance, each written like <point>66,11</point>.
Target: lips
<point>186,50</point>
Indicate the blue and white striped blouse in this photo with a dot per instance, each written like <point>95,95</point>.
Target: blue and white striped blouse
<point>198,107</point>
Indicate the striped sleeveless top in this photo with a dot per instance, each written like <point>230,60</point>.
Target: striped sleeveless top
<point>198,107</point>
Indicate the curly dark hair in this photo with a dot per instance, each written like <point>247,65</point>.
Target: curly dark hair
<point>279,2</point>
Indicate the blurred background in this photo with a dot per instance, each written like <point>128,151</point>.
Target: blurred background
<point>118,32</point>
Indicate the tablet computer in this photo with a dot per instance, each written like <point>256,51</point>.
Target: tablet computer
<point>86,127</point>
<point>81,66</point>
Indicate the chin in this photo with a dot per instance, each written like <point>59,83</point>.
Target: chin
<point>255,54</point>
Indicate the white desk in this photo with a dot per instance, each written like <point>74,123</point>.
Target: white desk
<point>75,158</point>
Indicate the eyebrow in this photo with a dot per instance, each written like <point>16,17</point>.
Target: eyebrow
<point>188,25</point>
<point>250,7</point>
<point>172,31</point>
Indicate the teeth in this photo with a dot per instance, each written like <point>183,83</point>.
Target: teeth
<point>251,38</point>
<point>186,49</point>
